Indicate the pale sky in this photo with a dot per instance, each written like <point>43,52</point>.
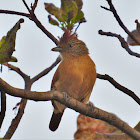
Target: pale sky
<point>33,51</point>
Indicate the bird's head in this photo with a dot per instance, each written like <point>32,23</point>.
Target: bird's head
<point>70,46</point>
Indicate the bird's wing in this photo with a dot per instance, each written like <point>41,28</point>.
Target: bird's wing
<point>55,79</point>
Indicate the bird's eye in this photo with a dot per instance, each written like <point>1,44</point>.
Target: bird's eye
<point>70,46</point>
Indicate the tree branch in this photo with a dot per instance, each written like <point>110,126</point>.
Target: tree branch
<point>15,122</point>
<point>113,10</point>
<point>120,87</point>
<point>33,17</point>
<point>34,5</point>
<point>3,107</point>
<point>16,69</point>
<point>15,13</point>
<point>124,44</point>
<point>73,104</point>
<point>46,71</point>
<point>26,6</point>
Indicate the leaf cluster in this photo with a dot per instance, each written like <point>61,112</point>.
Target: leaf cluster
<point>67,15</point>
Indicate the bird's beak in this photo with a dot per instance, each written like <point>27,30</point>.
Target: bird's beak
<point>58,49</point>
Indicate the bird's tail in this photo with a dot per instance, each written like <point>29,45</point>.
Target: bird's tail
<point>55,120</point>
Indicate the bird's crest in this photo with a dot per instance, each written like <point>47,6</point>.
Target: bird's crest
<point>68,35</point>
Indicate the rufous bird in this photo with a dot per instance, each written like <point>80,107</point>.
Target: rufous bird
<point>76,74</point>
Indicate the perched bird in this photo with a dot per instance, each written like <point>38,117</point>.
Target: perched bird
<point>76,74</point>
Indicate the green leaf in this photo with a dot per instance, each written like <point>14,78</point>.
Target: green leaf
<point>53,10</point>
<point>79,16</point>
<point>71,8</point>
<point>7,44</point>
<point>53,21</point>
<point>79,4</point>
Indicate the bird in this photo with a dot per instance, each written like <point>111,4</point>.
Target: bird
<point>75,75</point>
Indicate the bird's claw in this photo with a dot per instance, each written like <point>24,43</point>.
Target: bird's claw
<point>90,104</point>
<point>65,95</point>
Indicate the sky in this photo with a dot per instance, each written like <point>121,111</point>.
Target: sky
<point>33,51</point>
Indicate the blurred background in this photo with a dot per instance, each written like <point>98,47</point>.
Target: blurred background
<point>33,51</point>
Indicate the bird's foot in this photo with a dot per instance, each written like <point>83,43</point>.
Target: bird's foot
<point>65,95</point>
<point>91,105</point>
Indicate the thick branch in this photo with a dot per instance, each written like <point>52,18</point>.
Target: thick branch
<point>123,42</point>
<point>15,122</point>
<point>120,87</point>
<point>112,8</point>
<point>73,104</point>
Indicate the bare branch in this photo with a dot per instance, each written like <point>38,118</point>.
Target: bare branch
<point>113,10</point>
<point>15,122</point>
<point>34,5</point>
<point>120,87</point>
<point>123,42</point>
<point>73,104</point>
<point>16,69</point>
<point>106,8</point>
<point>33,17</point>
<point>14,13</point>
<point>47,70</point>
<point>39,25</point>
<point>3,107</point>
<point>26,6</point>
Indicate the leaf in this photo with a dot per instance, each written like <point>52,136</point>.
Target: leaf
<point>79,16</point>
<point>53,21</point>
<point>53,10</point>
<point>136,34</point>
<point>71,8</point>
<point>89,129</point>
<point>7,44</point>
<point>79,4</point>
<point>67,15</point>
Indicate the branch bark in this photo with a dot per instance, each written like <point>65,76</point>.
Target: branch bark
<point>113,10</point>
<point>3,107</point>
<point>119,87</point>
<point>124,44</point>
<point>15,122</point>
<point>46,71</point>
<point>73,104</point>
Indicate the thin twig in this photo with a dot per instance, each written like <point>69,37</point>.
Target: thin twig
<point>3,107</point>
<point>39,25</point>
<point>15,13</point>
<point>16,69</point>
<point>34,5</point>
<point>26,6</point>
<point>124,44</point>
<point>72,103</point>
<point>119,86</point>
<point>106,8</point>
<point>113,10</point>
<point>33,17</point>
<point>46,71</point>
